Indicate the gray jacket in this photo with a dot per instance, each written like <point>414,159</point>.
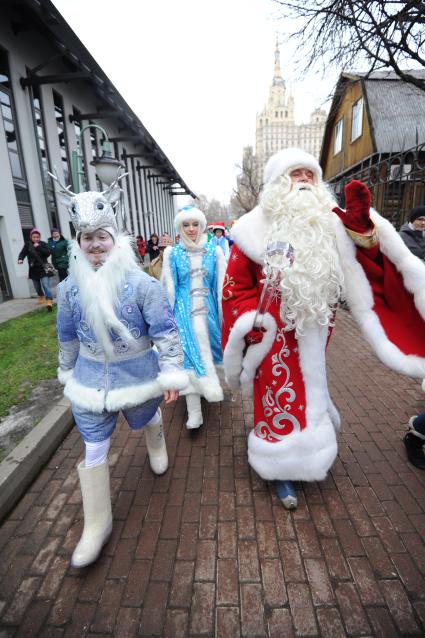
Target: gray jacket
<point>414,240</point>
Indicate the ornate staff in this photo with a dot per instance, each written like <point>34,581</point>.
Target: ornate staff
<point>278,257</point>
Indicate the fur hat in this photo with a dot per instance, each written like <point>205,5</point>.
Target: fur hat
<point>187,213</point>
<point>418,211</point>
<point>289,159</point>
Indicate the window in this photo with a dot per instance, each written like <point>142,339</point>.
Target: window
<point>40,136</point>
<point>95,152</point>
<point>357,119</point>
<point>338,136</point>
<point>80,142</point>
<point>60,127</point>
<point>7,114</point>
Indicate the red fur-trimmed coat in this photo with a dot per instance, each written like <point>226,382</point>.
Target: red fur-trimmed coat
<point>295,421</point>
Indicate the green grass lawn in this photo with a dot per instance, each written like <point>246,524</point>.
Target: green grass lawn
<point>28,355</point>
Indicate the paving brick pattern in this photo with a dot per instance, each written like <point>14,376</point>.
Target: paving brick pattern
<point>207,550</point>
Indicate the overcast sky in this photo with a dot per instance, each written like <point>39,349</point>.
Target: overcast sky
<point>195,72</point>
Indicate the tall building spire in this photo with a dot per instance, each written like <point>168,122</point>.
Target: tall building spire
<point>277,78</point>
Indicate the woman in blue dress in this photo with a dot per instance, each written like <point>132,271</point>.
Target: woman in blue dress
<point>192,274</point>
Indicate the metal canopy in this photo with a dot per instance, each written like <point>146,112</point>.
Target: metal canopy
<point>37,80</point>
<point>99,115</point>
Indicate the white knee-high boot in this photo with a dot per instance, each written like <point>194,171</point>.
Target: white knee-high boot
<point>94,483</point>
<point>157,449</point>
<point>194,411</point>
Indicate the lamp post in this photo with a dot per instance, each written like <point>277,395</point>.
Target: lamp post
<point>106,166</point>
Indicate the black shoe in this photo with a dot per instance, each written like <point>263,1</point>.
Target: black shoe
<point>414,449</point>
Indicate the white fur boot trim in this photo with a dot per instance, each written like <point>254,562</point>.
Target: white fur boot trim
<point>94,483</point>
<point>157,449</point>
<point>194,411</point>
<point>304,455</point>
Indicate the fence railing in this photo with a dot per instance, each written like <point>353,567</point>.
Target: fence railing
<point>396,182</point>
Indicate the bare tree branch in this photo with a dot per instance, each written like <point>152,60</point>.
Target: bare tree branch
<point>345,33</point>
<point>245,196</point>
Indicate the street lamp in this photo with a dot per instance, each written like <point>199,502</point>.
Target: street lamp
<point>106,166</point>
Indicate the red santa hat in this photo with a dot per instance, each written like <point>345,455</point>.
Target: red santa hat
<point>289,159</point>
<point>217,226</point>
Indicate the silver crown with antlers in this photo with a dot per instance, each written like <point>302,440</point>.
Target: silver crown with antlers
<point>92,209</point>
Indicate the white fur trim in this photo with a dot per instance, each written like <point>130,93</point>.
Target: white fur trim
<point>221,266</point>
<point>423,385</point>
<point>173,380</point>
<point>64,375</point>
<point>302,456</point>
<point>248,233</point>
<point>290,159</point>
<point>167,278</point>
<point>189,214</point>
<point>240,369</point>
<point>360,298</point>
<point>119,399</point>
<point>411,268</point>
<point>207,387</point>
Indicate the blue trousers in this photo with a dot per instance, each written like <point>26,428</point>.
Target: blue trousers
<point>42,287</point>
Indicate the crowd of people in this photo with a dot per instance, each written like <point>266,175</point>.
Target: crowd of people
<point>260,302</point>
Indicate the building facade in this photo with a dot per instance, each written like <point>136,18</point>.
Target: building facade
<point>275,125</point>
<point>375,133</point>
<point>52,92</point>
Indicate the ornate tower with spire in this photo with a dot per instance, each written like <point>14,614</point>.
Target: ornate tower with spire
<point>275,126</point>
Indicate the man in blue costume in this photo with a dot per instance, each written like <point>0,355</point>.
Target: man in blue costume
<point>109,313</point>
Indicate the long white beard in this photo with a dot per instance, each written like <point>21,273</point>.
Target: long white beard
<point>99,289</point>
<point>302,215</point>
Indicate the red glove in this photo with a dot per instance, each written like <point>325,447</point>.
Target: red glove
<point>254,336</point>
<point>357,204</point>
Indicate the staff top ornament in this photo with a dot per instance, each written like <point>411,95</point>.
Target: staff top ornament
<point>91,210</point>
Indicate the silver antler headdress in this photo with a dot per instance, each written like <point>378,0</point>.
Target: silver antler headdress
<point>92,209</point>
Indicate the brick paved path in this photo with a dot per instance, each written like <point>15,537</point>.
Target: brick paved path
<point>207,549</point>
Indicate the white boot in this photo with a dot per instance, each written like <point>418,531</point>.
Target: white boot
<point>157,450</point>
<point>94,483</point>
<point>194,411</point>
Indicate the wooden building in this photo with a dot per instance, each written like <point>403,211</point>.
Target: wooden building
<point>375,132</point>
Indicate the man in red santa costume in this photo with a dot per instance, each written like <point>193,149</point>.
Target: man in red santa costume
<point>355,254</point>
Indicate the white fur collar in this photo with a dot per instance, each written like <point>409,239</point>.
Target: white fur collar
<point>248,233</point>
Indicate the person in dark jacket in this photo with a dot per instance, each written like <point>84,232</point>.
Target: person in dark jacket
<point>58,247</point>
<point>37,252</point>
<point>414,440</point>
<point>413,232</point>
<point>153,248</point>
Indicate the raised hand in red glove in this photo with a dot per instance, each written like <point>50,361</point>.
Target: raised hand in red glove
<point>357,208</point>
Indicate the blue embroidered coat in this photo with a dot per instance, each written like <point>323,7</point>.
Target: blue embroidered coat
<point>136,371</point>
<point>193,279</point>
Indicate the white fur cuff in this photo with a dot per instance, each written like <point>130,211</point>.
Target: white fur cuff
<point>173,380</point>
<point>239,368</point>
<point>64,375</point>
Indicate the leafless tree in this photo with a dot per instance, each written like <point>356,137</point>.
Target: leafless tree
<point>247,191</point>
<point>339,33</point>
<point>213,209</point>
